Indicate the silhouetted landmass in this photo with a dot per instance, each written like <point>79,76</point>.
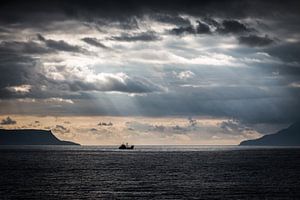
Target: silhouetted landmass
<point>30,137</point>
<point>286,137</point>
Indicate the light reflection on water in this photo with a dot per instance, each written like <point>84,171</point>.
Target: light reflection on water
<point>142,148</point>
<point>149,172</point>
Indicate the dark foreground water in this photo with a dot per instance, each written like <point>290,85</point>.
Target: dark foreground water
<point>149,173</point>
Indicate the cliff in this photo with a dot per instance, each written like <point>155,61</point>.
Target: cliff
<point>30,137</point>
<point>286,137</point>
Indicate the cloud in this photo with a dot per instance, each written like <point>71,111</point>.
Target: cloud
<point>171,19</point>
<point>294,85</point>
<point>105,124</point>
<point>190,126</point>
<point>232,26</point>
<point>217,75</point>
<point>58,100</point>
<point>7,121</point>
<point>288,52</point>
<point>192,121</point>
<point>22,77</point>
<point>144,36</point>
<point>143,127</point>
<point>183,75</point>
<point>19,89</point>
<point>183,30</point>
<point>119,82</point>
<point>18,74</point>
<point>61,129</point>
<point>28,47</point>
<point>36,14</point>
<point>211,22</point>
<point>250,104</point>
<point>201,28</point>
<point>94,42</point>
<point>232,126</point>
<point>59,45</point>
<point>255,41</point>
<point>190,130</point>
<point>235,127</point>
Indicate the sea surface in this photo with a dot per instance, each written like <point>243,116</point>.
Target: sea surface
<point>149,172</point>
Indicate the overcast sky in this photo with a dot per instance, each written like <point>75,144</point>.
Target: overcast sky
<point>232,61</point>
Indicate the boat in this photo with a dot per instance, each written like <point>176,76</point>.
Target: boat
<point>126,146</point>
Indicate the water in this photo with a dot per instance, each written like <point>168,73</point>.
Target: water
<point>149,172</point>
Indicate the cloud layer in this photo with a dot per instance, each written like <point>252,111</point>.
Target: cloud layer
<point>228,59</point>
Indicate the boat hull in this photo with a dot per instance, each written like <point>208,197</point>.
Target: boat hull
<point>126,147</point>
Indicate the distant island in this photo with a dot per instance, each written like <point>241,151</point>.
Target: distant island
<point>30,137</point>
<point>286,137</point>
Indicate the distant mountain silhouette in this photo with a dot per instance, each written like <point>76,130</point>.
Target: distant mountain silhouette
<point>30,137</point>
<point>286,137</point>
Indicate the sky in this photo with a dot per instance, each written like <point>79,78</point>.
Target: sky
<point>150,72</point>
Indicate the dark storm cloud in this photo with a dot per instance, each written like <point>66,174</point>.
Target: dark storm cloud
<point>59,45</point>
<point>201,28</point>
<point>183,30</point>
<point>19,64</point>
<point>62,46</point>
<point>226,27</point>
<point>145,36</point>
<point>40,11</point>
<point>29,47</point>
<point>255,41</point>
<point>41,14</point>
<point>16,75</point>
<point>232,26</point>
<point>94,42</point>
<point>289,52</point>
<point>17,69</point>
<point>250,104</point>
<point>171,19</point>
<point>211,22</point>
<point>8,121</point>
<point>4,30</point>
<point>114,83</point>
